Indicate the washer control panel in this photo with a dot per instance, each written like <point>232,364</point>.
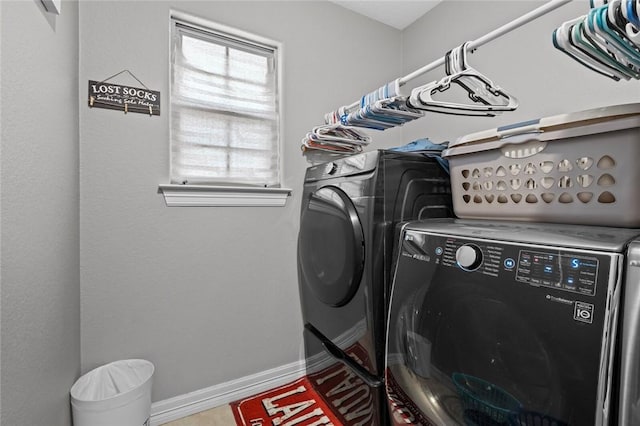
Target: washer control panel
<point>553,269</point>
<point>557,268</point>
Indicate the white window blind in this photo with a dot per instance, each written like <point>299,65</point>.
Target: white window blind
<point>224,108</point>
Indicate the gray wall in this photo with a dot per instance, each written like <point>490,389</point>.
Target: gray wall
<point>40,322</point>
<point>523,62</point>
<point>207,294</point>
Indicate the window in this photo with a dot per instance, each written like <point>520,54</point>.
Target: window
<point>225,107</point>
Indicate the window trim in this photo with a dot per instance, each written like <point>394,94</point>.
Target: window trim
<point>223,195</point>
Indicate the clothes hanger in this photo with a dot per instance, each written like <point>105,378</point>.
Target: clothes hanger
<point>598,40</point>
<point>383,108</point>
<point>488,98</point>
<point>596,28</point>
<point>331,117</point>
<point>335,138</point>
<point>610,54</point>
<point>618,14</point>
<point>581,40</point>
<point>475,88</point>
<point>633,12</point>
<point>598,21</point>
<point>393,105</point>
<point>480,88</point>
<point>363,117</point>
<point>560,42</point>
<point>628,9</point>
<point>578,39</point>
<point>605,39</point>
<point>618,21</point>
<point>415,101</point>
<point>455,62</point>
<point>395,109</point>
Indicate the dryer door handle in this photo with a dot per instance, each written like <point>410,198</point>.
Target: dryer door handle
<point>339,355</point>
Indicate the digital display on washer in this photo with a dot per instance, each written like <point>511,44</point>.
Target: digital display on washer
<point>563,271</point>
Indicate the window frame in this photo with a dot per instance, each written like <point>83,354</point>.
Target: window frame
<point>224,193</point>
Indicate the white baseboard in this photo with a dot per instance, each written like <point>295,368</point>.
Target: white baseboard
<point>204,399</point>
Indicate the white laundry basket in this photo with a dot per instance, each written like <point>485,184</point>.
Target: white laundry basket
<point>115,394</point>
<point>581,168</point>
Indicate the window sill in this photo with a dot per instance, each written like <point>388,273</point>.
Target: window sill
<point>222,196</point>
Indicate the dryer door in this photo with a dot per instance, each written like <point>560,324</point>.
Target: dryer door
<point>330,246</point>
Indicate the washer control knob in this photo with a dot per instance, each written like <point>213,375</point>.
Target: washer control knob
<point>469,257</point>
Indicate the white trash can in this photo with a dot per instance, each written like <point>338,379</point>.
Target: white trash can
<point>115,394</point>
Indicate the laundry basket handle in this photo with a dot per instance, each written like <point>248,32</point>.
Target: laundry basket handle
<point>510,139</point>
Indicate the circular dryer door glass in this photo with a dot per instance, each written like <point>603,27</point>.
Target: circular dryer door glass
<point>330,246</point>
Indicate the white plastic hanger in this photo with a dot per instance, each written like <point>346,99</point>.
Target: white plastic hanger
<point>489,99</point>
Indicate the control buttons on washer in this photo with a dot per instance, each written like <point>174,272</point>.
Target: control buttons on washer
<point>439,251</point>
<point>509,263</point>
<point>469,257</point>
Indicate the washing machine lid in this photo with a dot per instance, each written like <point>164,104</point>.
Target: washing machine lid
<point>559,235</point>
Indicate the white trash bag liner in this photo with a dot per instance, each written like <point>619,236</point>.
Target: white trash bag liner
<point>115,394</point>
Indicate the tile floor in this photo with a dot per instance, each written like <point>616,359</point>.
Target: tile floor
<point>221,416</point>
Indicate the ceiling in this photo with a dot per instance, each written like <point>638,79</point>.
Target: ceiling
<point>398,14</point>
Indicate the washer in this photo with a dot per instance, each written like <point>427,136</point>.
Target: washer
<point>508,323</point>
<point>349,211</point>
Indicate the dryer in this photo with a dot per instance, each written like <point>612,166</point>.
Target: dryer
<point>348,215</point>
<point>498,323</point>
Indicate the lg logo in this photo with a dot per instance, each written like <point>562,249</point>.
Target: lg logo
<point>583,312</point>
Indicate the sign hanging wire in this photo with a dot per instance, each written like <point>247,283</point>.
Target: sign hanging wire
<point>130,73</point>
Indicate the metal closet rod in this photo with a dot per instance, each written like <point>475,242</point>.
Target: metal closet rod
<point>516,23</point>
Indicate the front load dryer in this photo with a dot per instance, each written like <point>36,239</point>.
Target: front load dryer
<point>349,211</point>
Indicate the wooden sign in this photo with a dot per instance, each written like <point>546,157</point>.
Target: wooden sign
<point>123,98</point>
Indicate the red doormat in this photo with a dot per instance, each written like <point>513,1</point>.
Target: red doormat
<point>331,396</point>
<point>295,404</point>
